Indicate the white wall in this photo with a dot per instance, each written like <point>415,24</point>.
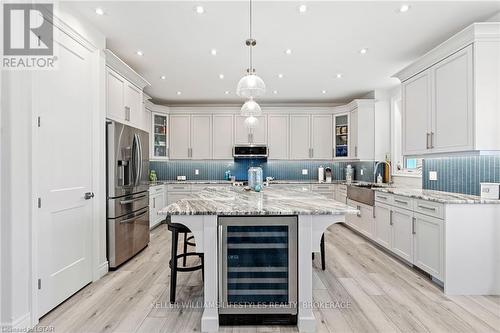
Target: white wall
<point>17,200</point>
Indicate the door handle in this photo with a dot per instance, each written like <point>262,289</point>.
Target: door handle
<point>390,218</point>
<point>413,226</point>
<point>89,195</point>
<point>432,140</point>
<point>427,140</point>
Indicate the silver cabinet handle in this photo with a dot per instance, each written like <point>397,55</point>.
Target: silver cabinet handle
<point>333,152</point>
<point>154,202</point>
<point>401,202</point>
<point>312,152</point>
<point>390,218</point>
<point>355,151</point>
<point>374,212</point>
<point>432,209</point>
<point>358,213</point>
<point>134,217</point>
<point>381,197</point>
<point>432,140</point>
<point>178,187</point>
<point>127,113</point>
<point>427,145</point>
<point>413,226</point>
<point>124,202</point>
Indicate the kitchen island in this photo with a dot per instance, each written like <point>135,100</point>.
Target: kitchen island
<point>201,212</point>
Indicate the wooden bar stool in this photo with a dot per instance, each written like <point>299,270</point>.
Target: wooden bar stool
<point>177,229</point>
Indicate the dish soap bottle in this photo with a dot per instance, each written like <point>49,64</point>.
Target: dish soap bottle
<point>379,179</point>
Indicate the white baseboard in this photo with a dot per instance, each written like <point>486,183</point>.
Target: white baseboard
<point>101,270</point>
<point>20,324</point>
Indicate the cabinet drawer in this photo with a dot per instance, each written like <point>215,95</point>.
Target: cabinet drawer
<point>384,197</point>
<point>323,187</point>
<point>200,187</point>
<point>402,202</point>
<point>156,189</point>
<point>429,208</point>
<point>342,189</point>
<point>179,187</point>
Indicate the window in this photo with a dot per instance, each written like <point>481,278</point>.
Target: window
<point>401,165</point>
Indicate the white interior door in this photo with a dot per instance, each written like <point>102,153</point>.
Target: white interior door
<point>64,101</point>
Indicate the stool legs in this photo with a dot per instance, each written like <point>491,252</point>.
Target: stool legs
<point>173,262</point>
<point>322,248</point>
<point>184,250</point>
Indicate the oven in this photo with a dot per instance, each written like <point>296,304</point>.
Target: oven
<point>257,266</point>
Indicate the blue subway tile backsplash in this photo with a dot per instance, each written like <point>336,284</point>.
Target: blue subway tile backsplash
<point>289,170</point>
<point>461,174</point>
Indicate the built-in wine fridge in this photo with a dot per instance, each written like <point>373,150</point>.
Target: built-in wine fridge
<point>257,269</point>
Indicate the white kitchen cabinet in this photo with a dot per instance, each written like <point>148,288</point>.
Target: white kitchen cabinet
<point>353,136</point>
<point>416,102</point>
<point>428,244</point>
<point>300,137</point>
<point>363,221</point>
<point>383,225</point>
<point>341,135</point>
<point>327,190</point>
<point>450,95</point>
<point>201,137</point>
<point>452,117</point>
<point>179,140</point>
<point>222,136</point>
<point>242,135</point>
<point>159,135</point>
<point>322,137</point>
<point>278,136</point>
<point>133,104</point>
<point>156,203</point>
<point>115,105</point>
<point>402,233</point>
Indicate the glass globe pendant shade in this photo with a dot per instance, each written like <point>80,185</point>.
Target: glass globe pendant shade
<point>251,108</point>
<point>251,122</point>
<point>251,86</point>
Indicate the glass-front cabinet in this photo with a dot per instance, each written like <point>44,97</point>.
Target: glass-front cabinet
<point>159,131</point>
<point>341,137</point>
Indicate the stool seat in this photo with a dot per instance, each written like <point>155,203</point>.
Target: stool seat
<point>177,229</point>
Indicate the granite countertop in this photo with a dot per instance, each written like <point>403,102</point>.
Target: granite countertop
<point>270,201</point>
<point>281,181</point>
<point>437,196</point>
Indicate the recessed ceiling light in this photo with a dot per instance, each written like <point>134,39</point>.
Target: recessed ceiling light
<point>275,92</point>
<point>323,91</point>
<point>288,51</point>
<point>163,77</point>
<point>302,8</point>
<point>221,76</point>
<point>199,9</point>
<point>404,8</point>
<point>363,51</point>
<point>99,11</point>
<point>213,52</point>
<point>339,75</point>
<point>179,93</point>
<point>140,53</point>
<point>280,76</point>
<point>227,92</point>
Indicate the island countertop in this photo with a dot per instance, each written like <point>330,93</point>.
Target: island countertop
<point>270,201</point>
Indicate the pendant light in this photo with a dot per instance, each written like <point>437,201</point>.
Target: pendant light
<point>251,108</point>
<point>251,85</point>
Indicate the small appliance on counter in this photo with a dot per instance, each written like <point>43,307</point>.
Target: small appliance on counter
<point>490,191</point>
<point>255,178</point>
<point>349,174</point>
<point>328,174</point>
<point>321,174</point>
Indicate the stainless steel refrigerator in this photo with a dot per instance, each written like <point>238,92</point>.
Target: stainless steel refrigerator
<point>127,169</point>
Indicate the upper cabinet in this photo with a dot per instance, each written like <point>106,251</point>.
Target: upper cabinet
<point>180,136</point>
<point>450,96</point>
<point>222,136</point>
<point>124,96</point>
<point>159,133</point>
<point>277,136</point>
<point>341,135</point>
<point>190,136</point>
<point>300,137</point>
<point>243,135</point>
<point>322,137</point>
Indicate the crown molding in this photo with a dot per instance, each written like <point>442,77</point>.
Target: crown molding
<point>476,32</point>
<point>125,70</point>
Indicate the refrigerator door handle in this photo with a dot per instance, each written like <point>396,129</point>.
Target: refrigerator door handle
<point>140,161</point>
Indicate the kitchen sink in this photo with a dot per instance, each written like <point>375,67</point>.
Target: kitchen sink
<point>362,193</point>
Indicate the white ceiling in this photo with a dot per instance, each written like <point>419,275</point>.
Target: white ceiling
<point>324,41</point>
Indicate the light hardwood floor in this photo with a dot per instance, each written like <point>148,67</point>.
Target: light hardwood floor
<point>383,294</point>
